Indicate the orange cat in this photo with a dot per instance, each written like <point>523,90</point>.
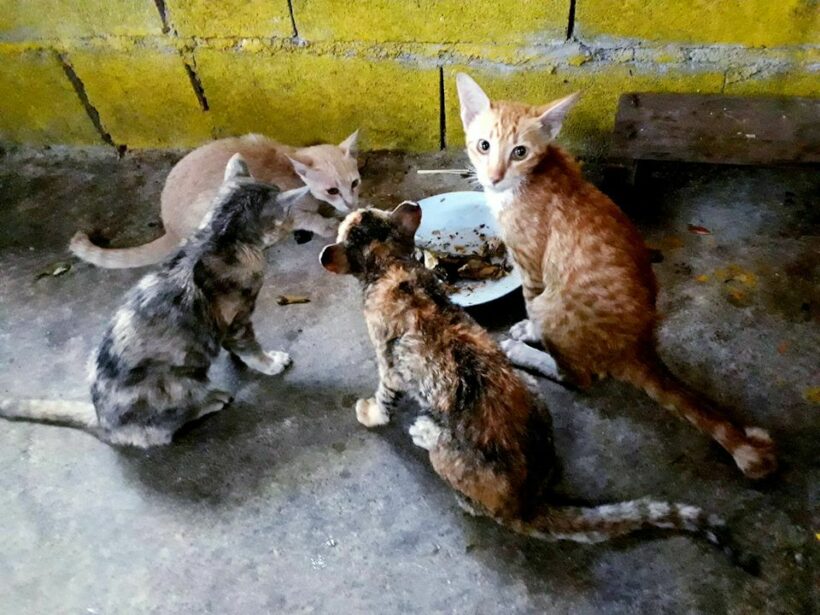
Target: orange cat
<point>588,283</point>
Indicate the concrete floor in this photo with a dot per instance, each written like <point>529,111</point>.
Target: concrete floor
<point>285,504</point>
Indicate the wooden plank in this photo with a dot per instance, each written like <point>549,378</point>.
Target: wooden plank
<point>717,129</point>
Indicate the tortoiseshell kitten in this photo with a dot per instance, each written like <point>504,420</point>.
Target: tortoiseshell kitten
<point>487,434</point>
<point>588,282</point>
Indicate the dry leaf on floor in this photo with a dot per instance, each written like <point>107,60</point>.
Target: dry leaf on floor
<point>54,270</point>
<point>738,298</point>
<point>783,347</point>
<point>699,230</point>
<point>735,273</point>
<point>292,299</point>
<point>812,394</point>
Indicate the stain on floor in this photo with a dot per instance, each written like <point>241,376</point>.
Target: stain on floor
<point>285,504</point>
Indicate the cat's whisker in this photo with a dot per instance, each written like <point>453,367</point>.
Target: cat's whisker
<point>462,172</point>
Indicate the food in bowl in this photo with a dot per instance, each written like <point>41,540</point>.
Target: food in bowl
<point>459,231</point>
<point>454,262</point>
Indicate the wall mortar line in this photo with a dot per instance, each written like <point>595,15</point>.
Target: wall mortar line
<point>163,15</point>
<point>442,112</point>
<point>571,20</point>
<point>90,109</point>
<point>196,83</point>
<point>293,19</point>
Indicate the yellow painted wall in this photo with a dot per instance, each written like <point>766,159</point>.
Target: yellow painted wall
<point>175,73</point>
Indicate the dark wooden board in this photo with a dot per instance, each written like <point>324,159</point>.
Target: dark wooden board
<point>717,129</point>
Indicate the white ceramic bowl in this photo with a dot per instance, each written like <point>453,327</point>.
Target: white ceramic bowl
<point>458,216</point>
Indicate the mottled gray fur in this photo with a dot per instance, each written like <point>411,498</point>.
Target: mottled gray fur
<point>150,372</point>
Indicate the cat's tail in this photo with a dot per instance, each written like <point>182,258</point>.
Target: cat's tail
<point>123,258</point>
<point>77,414</point>
<point>751,447</point>
<point>600,523</point>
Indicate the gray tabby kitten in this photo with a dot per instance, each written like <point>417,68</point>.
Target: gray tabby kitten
<point>150,372</point>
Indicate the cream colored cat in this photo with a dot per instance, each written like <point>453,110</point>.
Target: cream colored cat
<point>329,171</point>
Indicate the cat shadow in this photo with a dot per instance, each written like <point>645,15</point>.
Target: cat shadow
<point>545,568</point>
<point>229,456</point>
<point>561,570</point>
<point>500,314</point>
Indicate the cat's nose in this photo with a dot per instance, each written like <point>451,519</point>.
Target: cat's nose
<point>495,177</point>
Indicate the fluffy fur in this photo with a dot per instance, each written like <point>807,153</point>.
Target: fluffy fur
<point>329,171</point>
<point>588,282</point>
<point>150,372</point>
<point>487,434</point>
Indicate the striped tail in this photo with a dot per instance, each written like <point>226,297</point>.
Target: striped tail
<point>751,447</point>
<point>78,414</point>
<point>600,523</point>
<point>124,258</point>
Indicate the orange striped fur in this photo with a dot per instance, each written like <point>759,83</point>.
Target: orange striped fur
<point>588,282</point>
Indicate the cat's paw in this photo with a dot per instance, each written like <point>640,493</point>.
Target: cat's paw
<point>369,414</point>
<point>526,357</point>
<point>466,505</point>
<point>313,222</point>
<point>329,228</point>
<point>217,396</point>
<point>510,348</point>
<point>271,236</point>
<point>756,458</point>
<point>215,401</point>
<point>524,331</point>
<point>270,363</point>
<point>425,432</point>
<point>528,379</point>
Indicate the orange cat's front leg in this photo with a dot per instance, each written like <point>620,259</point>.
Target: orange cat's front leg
<point>527,357</point>
<point>526,331</point>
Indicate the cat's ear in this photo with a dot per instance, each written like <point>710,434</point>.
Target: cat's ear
<point>334,259</point>
<point>289,198</point>
<point>301,165</point>
<point>236,167</point>
<point>472,98</point>
<point>350,146</point>
<point>552,115</point>
<point>407,217</point>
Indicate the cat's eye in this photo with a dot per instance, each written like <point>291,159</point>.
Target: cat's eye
<point>483,145</point>
<point>333,191</point>
<point>519,152</point>
<point>355,184</point>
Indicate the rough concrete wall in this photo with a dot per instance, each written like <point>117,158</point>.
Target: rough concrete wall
<point>173,73</point>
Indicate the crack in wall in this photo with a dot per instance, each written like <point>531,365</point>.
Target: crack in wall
<point>293,19</point>
<point>442,111</point>
<point>163,15</point>
<point>90,109</point>
<point>190,67</point>
<point>571,20</point>
<point>199,90</point>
